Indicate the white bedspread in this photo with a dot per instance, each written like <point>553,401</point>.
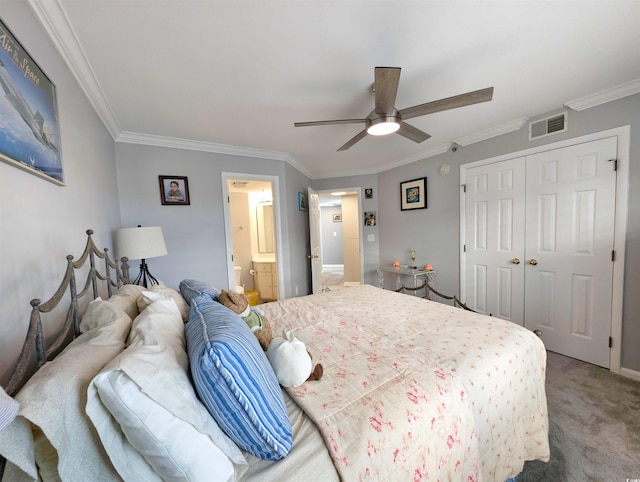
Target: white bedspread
<point>418,390</point>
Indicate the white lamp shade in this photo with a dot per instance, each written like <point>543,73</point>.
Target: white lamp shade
<point>141,242</point>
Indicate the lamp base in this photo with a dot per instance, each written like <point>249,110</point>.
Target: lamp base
<point>145,278</point>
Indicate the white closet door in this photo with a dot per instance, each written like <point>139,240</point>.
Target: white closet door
<point>569,243</point>
<point>494,229</point>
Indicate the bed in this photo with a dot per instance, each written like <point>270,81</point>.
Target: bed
<point>166,384</point>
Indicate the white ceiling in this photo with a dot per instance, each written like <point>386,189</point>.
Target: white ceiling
<point>233,76</point>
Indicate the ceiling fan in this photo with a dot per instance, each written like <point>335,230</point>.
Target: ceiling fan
<point>386,119</point>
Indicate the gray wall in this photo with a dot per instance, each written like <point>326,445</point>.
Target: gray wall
<point>435,232</point>
<point>195,234</point>
<point>40,222</point>
<point>331,233</point>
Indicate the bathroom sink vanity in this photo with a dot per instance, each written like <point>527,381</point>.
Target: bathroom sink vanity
<point>266,278</point>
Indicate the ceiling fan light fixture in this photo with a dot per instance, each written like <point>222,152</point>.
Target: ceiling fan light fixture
<point>382,126</point>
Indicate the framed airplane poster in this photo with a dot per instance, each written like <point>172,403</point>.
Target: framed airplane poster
<point>29,130</point>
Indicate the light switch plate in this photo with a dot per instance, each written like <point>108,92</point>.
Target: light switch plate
<point>371,237</point>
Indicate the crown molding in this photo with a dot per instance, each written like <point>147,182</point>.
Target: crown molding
<point>604,96</point>
<point>492,132</point>
<point>418,156</point>
<point>55,21</point>
<point>191,145</point>
<point>334,174</point>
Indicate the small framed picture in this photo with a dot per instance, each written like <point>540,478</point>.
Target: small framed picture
<point>302,202</point>
<point>174,190</point>
<point>368,193</point>
<point>337,218</point>
<point>369,218</point>
<point>413,194</point>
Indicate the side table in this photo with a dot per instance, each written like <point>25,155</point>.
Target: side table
<point>417,275</point>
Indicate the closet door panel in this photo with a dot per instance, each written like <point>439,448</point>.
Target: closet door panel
<point>569,241</point>
<point>494,223</point>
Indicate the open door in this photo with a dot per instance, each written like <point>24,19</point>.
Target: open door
<point>316,245</point>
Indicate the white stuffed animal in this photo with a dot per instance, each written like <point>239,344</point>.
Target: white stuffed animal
<point>291,361</point>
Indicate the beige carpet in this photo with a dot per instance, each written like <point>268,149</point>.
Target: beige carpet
<point>332,280</point>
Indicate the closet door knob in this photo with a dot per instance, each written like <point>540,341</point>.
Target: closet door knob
<point>515,260</point>
<point>533,262</point>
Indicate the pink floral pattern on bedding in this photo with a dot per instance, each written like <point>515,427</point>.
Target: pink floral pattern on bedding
<point>418,390</point>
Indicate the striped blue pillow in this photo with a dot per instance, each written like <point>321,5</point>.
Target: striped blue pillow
<point>190,288</point>
<point>235,381</point>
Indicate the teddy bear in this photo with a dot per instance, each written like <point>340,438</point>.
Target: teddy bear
<point>292,362</point>
<point>253,317</point>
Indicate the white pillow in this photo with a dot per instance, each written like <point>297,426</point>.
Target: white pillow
<point>54,400</point>
<point>125,298</point>
<point>105,318</point>
<point>146,298</point>
<point>147,414</point>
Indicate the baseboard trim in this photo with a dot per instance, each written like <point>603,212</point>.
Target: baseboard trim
<point>333,268</point>
<point>352,283</point>
<point>626,372</point>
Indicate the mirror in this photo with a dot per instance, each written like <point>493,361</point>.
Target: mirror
<point>266,237</point>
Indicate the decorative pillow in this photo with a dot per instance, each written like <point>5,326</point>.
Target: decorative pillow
<point>8,409</point>
<point>54,400</point>
<point>149,419</point>
<point>235,381</point>
<point>290,360</point>
<point>145,299</point>
<point>191,288</point>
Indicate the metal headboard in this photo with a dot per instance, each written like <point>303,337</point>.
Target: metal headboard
<point>114,276</point>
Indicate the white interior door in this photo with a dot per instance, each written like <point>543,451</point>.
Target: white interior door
<point>570,240</point>
<point>494,244</point>
<point>316,245</point>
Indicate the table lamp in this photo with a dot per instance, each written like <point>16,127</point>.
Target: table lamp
<point>142,243</point>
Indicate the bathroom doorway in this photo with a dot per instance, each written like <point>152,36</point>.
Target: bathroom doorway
<point>252,225</point>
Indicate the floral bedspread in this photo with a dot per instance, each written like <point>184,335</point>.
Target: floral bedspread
<point>417,390</point>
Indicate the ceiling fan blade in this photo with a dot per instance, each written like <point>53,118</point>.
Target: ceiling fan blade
<point>386,88</point>
<point>330,122</point>
<point>410,132</point>
<point>475,97</point>
<point>358,137</point>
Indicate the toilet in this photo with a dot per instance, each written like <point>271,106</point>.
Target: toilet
<point>237,271</point>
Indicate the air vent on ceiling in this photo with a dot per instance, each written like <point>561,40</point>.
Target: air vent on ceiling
<point>548,126</point>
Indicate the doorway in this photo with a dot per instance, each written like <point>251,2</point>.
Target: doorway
<point>336,239</point>
<point>540,232</point>
<point>252,230</point>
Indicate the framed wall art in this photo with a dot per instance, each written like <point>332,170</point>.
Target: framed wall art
<point>174,190</point>
<point>302,202</point>
<point>369,218</point>
<point>29,130</point>
<point>413,194</point>
<point>337,218</point>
